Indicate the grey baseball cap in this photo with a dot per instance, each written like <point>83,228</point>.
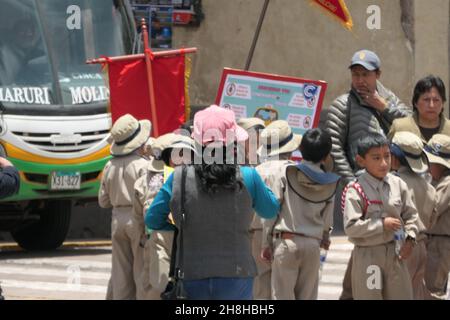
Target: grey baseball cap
<point>366,58</point>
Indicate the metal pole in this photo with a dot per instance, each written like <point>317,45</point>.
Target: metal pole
<point>256,36</point>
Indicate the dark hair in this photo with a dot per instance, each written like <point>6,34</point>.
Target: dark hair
<point>215,176</point>
<point>165,156</point>
<point>186,127</point>
<point>369,141</point>
<point>316,145</point>
<point>425,85</point>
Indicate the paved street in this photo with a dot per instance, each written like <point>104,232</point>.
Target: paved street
<point>82,272</point>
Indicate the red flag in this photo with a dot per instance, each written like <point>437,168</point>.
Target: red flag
<point>128,83</point>
<point>338,9</point>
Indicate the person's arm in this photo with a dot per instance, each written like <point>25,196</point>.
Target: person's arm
<point>157,214</point>
<point>354,226</point>
<point>9,179</point>
<point>336,125</point>
<point>395,108</point>
<point>442,203</point>
<point>409,212</point>
<point>265,203</point>
<point>327,214</point>
<point>104,200</point>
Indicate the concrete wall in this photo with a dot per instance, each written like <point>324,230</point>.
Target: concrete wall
<point>298,39</point>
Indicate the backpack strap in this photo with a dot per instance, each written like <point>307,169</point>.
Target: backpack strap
<point>367,202</point>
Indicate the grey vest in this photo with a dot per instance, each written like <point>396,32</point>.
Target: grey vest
<point>216,237</point>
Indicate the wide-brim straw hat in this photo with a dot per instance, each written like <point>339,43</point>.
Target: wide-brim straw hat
<point>277,138</point>
<point>410,146</point>
<point>129,134</point>
<point>310,184</point>
<point>438,150</point>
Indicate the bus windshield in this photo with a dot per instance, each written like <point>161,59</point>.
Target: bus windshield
<point>44,45</point>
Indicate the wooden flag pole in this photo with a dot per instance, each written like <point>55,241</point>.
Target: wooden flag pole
<point>156,54</point>
<point>151,88</point>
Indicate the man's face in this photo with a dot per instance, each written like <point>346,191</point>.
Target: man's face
<point>363,79</point>
<point>436,171</point>
<point>377,161</point>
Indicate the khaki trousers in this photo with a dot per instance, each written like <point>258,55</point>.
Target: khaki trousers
<point>347,282</point>
<point>416,267</point>
<point>157,263</point>
<point>438,266</point>
<point>261,283</point>
<point>378,274</point>
<point>127,256</point>
<point>295,269</point>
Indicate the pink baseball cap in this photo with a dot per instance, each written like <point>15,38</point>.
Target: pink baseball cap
<point>216,124</point>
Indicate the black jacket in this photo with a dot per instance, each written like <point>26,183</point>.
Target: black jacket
<point>9,181</point>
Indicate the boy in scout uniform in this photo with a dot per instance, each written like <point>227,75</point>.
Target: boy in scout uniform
<point>306,193</point>
<point>410,163</point>
<point>375,207</point>
<point>438,247</point>
<point>116,190</point>
<point>261,283</point>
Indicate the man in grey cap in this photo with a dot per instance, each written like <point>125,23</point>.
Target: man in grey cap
<point>367,107</point>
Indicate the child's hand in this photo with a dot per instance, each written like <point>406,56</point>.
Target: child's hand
<point>325,243</point>
<point>267,255</point>
<point>392,224</point>
<point>406,250</point>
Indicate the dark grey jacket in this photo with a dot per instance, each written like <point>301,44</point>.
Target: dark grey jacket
<point>9,181</point>
<point>216,239</point>
<point>348,119</point>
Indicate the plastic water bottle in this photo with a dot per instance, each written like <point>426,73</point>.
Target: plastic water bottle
<point>323,258</point>
<point>399,238</point>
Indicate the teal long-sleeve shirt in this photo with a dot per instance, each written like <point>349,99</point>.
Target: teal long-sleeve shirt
<point>264,201</point>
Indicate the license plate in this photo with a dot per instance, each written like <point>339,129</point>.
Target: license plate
<point>65,180</point>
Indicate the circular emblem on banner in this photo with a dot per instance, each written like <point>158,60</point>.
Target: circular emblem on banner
<point>231,89</point>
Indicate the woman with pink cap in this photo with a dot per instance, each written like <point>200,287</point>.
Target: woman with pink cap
<point>219,200</point>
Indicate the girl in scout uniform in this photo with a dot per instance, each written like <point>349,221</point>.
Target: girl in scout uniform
<point>117,191</point>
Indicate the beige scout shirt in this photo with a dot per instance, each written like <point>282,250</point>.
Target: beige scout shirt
<point>441,213</point>
<point>297,215</point>
<point>145,190</point>
<point>424,196</point>
<point>118,179</point>
<point>396,201</point>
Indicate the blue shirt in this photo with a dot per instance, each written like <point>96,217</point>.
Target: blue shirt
<point>264,201</point>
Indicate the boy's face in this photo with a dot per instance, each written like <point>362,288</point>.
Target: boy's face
<point>436,171</point>
<point>377,161</point>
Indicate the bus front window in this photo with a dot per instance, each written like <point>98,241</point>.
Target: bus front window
<point>44,45</point>
<point>25,76</point>
<point>91,29</point>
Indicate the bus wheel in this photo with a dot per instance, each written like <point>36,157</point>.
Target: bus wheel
<point>50,231</point>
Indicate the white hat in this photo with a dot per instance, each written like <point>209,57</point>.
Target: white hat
<point>129,134</point>
<point>411,148</point>
<point>278,138</point>
<point>438,150</point>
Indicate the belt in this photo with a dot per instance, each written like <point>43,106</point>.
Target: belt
<point>287,235</point>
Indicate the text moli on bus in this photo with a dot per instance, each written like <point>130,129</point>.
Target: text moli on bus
<point>29,95</point>
<point>89,94</point>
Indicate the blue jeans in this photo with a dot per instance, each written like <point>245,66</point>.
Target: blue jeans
<point>220,289</point>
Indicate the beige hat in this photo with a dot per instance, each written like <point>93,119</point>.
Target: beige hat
<point>278,138</point>
<point>150,141</point>
<point>183,142</point>
<point>161,143</point>
<point>311,184</point>
<point>129,134</point>
<point>248,123</point>
<point>438,150</point>
<point>411,148</point>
